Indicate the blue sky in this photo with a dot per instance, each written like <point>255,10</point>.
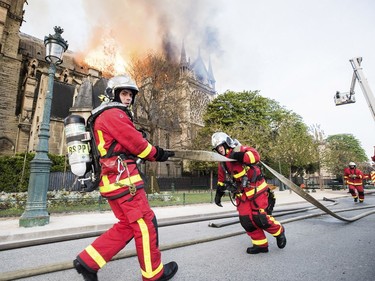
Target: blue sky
<point>293,51</point>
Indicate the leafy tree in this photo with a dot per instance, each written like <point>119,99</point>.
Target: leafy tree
<point>319,141</point>
<point>277,133</point>
<point>247,116</point>
<point>15,170</point>
<point>158,105</point>
<point>340,150</point>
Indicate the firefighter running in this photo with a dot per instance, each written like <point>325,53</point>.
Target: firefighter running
<point>121,183</point>
<point>252,193</point>
<point>354,179</point>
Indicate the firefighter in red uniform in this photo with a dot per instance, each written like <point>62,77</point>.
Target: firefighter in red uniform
<point>354,179</point>
<point>244,179</point>
<point>122,185</point>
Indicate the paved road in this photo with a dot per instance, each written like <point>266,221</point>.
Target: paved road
<point>321,248</point>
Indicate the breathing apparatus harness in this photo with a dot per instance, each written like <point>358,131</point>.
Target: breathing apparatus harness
<point>97,163</point>
<point>236,189</point>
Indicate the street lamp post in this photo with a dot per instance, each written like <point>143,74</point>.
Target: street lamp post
<point>36,206</point>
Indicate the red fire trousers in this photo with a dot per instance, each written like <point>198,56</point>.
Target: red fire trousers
<point>136,220</point>
<point>255,220</point>
<point>357,191</point>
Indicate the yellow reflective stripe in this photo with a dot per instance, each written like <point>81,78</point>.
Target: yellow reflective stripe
<point>240,174</point>
<point>146,245</point>
<point>145,152</point>
<point>354,183</point>
<point>251,156</point>
<point>259,242</point>
<point>94,254</point>
<point>105,180</point>
<point>148,272</point>
<point>152,274</point>
<point>259,188</point>
<point>220,183</point>
<point>101,148</point>
<point>279,232</point>
<point>108,187</point>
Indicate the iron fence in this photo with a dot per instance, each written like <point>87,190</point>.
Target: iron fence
<point>68,181</point>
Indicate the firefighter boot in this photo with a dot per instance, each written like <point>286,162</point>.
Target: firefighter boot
<point>281,239</point>
<point>356,199</point>
<point>170,270</point>
<point>256,250</point>
<point>87,275</point>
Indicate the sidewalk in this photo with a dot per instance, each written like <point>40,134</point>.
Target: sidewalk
<point>97,221</point>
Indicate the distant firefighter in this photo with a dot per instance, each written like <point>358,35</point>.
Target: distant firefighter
<point>354,179</point>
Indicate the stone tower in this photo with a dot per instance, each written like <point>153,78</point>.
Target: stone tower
<point>11,17</point>
<point>200,89</point>
<point>24,82</point>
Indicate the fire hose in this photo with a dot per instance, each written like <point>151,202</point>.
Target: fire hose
<point>311,199</point>
<point>276,214</point>
<point>67,265</point>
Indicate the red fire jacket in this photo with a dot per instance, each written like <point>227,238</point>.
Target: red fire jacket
<point>115,125</point>
<point>353,176</point>
<point>238,170</point>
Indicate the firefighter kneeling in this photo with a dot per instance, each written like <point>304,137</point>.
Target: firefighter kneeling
<point>252,194</point>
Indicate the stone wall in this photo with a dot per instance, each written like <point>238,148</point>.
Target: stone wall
<point>10,69</point>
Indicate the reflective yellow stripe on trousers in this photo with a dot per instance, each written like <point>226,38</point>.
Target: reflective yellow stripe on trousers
<point>94,254</point>
<point>148,272</point>
<point>259,242</point>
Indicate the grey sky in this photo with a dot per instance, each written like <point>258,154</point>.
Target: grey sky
<point>294,51</point>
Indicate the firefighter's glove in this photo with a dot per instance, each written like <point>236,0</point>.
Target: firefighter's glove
<point>162,155</point>
<point>237,156</point>
<point>218,195</point>
<point>353,176</point>
<point>230,186</point>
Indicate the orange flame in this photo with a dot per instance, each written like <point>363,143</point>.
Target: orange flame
<point>106,57</point>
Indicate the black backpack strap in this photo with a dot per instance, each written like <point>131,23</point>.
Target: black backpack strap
<point>95,154</point>
<point>255,177</point>
<point>110,150</point>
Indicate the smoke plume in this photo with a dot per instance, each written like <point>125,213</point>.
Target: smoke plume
<point>140,26</point>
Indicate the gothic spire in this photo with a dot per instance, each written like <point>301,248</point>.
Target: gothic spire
<point>183,60</point>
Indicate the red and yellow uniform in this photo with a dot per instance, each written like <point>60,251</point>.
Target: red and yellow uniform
<point>252,199</point>
<point>372,176</point>
<point>354,179</point>
<point>131,208</point>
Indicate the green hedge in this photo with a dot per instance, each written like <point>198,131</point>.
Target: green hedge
<point>15,170</point>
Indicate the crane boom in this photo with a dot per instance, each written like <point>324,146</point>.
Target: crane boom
<point>358,72</point>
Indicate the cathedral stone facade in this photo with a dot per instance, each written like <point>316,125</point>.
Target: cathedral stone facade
<point>24,82</point>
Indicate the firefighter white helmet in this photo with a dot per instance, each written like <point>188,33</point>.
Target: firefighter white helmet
<point>220,138</point>
<point>352,164</point>
<point>118,83</point>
